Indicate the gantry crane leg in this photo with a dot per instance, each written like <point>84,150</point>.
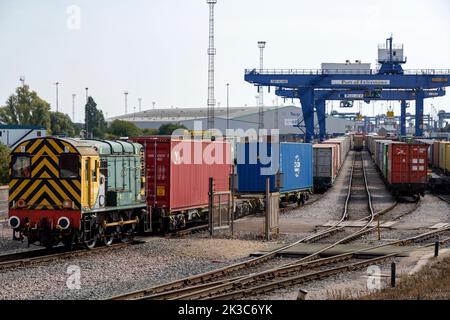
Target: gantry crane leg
<point>321,116</point>
<point>419,112</point>
<point>307,101</point>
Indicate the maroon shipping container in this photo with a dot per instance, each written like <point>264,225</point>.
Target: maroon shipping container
<point>408,168</point>
<point>181,179</point>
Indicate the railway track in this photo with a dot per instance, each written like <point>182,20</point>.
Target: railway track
<point>283,276</point>
<point>216,277</point>
<point>182,233</point>
<point>444,197</point>
<point>24,258</point>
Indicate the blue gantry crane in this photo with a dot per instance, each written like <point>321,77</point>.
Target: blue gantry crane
<point>321,96</point>
<point>315,87</point>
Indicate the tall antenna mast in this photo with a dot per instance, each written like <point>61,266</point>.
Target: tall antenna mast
<point>211,54</point>
<point>73,107</point>
<point>261,46</point>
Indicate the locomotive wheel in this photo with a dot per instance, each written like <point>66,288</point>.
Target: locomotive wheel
<point>90,244</point>
<point>108,239</point>
<point>107,236</point>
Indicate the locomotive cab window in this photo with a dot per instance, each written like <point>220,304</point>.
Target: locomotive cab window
<point>69,166</point>
<point>94,172</point>
<point>21,167</point>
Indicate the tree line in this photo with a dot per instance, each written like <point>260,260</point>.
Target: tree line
<point>25,107</point>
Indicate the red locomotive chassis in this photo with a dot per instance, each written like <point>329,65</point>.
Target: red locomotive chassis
<point>178,171</point>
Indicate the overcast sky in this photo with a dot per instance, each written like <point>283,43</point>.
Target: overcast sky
<point>157,49</point>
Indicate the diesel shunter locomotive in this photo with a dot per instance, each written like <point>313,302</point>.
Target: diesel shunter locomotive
<point>70,190</point>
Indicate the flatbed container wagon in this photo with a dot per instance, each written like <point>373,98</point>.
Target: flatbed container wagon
<point>177,178</point>
<point>287,165</point>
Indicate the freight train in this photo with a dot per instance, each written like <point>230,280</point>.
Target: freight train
<point>90,191</point>
<point>403,166</point>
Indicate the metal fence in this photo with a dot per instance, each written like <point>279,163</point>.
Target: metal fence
<point>220,209</point>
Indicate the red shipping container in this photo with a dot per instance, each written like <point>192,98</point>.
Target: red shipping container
<point>407,164</point>
<point>177,179</point>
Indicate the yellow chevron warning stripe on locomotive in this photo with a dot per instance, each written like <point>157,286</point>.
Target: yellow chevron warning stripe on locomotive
<point>36,179</point>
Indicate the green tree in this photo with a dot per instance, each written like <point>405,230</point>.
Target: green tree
<point>25,107</point>
<point>4,164</point>
<point>150,132</point>
<point>94,120</point>
<point>120,128</point>
<point>61,124</point>
<point>169,128</point>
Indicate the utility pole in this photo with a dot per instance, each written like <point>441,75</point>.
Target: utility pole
<point>228,108</point>
<point>140,104</point>
<point>73,107</point>
<point>22,80</point>
<point>211,53</point>
<point>153,105</point>
<point>126,102</point>
<point>261,46</point>
<point>86,115</point>
<point>57,107</point>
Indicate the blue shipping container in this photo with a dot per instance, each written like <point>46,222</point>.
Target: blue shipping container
<point>292,160</point>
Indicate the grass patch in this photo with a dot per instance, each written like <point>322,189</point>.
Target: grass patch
<point>432,282</point>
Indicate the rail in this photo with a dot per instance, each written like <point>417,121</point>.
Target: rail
<point>212,278</point>
<point>342,72</point>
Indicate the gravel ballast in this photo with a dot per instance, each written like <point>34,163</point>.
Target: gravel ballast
<point>124,270</point>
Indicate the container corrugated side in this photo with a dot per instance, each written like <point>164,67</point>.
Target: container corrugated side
<point>408,163</point>
<point>296,166</point>
<point>190,181</point>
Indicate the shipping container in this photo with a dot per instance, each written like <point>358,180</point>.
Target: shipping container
<point>407,168</point>
<point>447,158</point>
<point>383,156</point>
<point>436,154</point>
<point>430,144</point>
<point>370,143</point>
<point>357,142</point>
<point>443,155</point>
<point>287,165</point>
<point>344,146</point>
<point>178,172</point>
<point>326,165</point>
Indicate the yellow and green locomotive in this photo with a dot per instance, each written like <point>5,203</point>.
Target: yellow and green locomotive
<point>76,191</point>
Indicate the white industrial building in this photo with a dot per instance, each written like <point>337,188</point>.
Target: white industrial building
<point>12,135</point>
<point>289,119</point>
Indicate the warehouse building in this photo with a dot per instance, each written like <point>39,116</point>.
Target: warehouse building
<point>288,119</point>
<point>11,135</point>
